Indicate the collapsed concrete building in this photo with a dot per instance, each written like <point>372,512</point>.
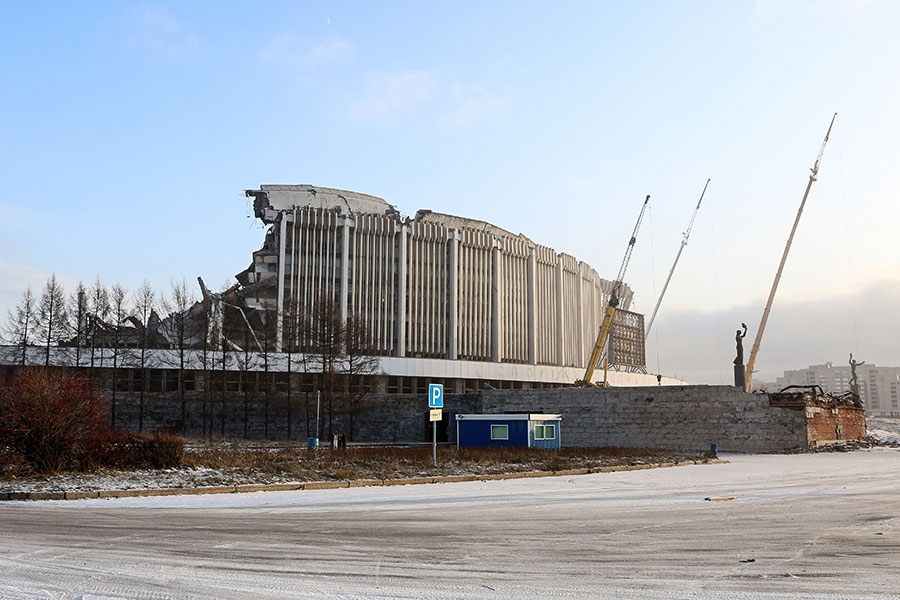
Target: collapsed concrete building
<point>492,315</point>
<point>439,296</point>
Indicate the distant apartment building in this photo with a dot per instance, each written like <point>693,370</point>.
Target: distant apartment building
<point>879,387</point>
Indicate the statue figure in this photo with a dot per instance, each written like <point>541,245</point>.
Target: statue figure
<point>739,341</point>
<point>853,364</point>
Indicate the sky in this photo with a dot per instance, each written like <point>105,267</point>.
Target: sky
<point>129,132</point>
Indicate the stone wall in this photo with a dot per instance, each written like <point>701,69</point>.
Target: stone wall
<point>686,418</point>
<point>395,418</point>
<point>672,417</point>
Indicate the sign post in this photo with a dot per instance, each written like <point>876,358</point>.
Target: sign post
<point>436,404</point>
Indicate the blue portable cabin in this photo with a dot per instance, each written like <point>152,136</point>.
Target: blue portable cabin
<point>531,430</point>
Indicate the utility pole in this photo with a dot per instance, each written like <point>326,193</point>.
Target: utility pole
<point>787,248</point>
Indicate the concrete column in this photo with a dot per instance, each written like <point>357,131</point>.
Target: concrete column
<point>279,313</point>
<point>531,301</point>
<point>579,312</point>
<point>496,304</point>
<point>401,293</point>
<point>560,318</point>
<point>345,267</point>
<point>453,295</point>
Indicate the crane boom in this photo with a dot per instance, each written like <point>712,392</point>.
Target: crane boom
<point>814,171</point>
<point>684,241</point>
<point>606,325</point>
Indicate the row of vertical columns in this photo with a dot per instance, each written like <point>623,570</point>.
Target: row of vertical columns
<point>579,359</point>
<point>496,305</point>
<point>401,294</point>
<point>531,300</point>
<point>560,303</point>
<point>345,267</point>
<point>453,292</point>
<point>279,323</point>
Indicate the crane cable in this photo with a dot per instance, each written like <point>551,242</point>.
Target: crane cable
<point>716,295</point>
<point>653,278</point>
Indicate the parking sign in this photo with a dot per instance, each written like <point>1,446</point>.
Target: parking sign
<point>435,395</point>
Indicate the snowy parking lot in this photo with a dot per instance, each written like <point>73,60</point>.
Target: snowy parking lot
<point>824,525</point>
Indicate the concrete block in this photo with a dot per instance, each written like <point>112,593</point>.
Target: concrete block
<point>364,482</point>
<point>81,495</point>
<point>46,495</point>
<point>409,481</point>
<point>325,485</point>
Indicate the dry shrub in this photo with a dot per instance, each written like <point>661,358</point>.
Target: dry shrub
<point>126,450</point>
<point>51,419</point>
<point>54,421</point>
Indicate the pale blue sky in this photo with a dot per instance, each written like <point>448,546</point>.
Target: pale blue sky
<point>130,130</point>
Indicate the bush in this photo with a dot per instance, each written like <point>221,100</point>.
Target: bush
<point>51,419</point>
<point>57,421</point>
<point>125,450</point>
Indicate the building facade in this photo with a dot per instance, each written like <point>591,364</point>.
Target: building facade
<point>879,387</point>
<point>437,293</point>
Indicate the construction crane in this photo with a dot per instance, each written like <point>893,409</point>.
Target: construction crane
<point>765,317</point>
<point>606,326</point>
<point>684,241</point>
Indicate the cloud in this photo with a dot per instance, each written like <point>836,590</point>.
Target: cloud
<point>155,30</point>
<point>699,345</point>
<point>473,103</point>
<point>289,50</point>
<point>388,96</point>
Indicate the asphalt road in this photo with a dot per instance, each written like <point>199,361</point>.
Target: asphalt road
<point>801,526</point>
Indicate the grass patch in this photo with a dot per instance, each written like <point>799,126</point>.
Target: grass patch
<point>395,463</point>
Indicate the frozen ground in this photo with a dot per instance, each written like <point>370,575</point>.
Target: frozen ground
<point>802,526</point>
<point>883,430</point>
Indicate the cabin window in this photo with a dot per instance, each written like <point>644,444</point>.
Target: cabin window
<point>545,432</point>
<point>499,432</point>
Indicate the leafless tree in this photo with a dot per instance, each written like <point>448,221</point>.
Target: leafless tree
<point>20,324</point>
<point>360,364</point>
<point>325,339</point>
<point>295,325</point>
<point>180,330</point>
<point>53,320</point>
<point>246,362</point>
<point>98,303</point>
<point>144,304</point>
<point>267,342</point>
<point>120,311</point>
<point>78,309</point>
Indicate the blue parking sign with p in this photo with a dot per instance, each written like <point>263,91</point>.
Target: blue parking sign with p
<point>435,395</point>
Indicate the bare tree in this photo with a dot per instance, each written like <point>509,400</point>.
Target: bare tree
<point>98,301</point>
<point>360,364</point>
<point>247,367</point>
<point>293,331</point>
<point>180,331</point>
<point>53,321</point>
<point>144,304</point>
<point>20,324</point>
<point>267,342</point>
<point>119,306</point>
<point>78,309</point>
<point>326,350</point>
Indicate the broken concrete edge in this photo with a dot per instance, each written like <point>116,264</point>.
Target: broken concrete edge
<point>331,485</point>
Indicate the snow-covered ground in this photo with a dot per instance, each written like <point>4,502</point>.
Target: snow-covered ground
<point>883,430</point>
<point>814,525</point>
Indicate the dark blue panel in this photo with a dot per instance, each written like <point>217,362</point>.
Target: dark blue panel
<point>478,433</point>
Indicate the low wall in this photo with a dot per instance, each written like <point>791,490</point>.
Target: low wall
<point>386,418</point>
<point>686,418</point>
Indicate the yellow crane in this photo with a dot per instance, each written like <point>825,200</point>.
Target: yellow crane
<point>606,326</point>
